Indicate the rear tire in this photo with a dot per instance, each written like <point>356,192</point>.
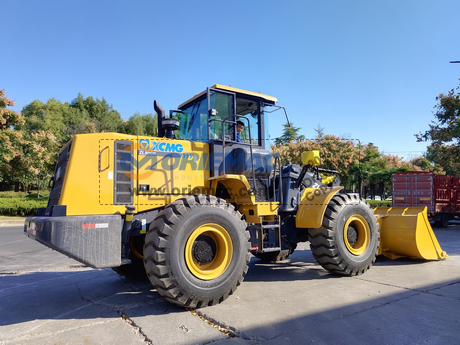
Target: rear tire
<point>347,242</point>
<point>443,220</point>
<point>197,251</point>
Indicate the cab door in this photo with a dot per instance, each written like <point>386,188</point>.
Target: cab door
<point>221,115</point>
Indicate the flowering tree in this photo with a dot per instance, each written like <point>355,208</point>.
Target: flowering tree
<point>336,153</point>
<point>11,140</point>
<point>24,154</point>
<point>357,164</point>
<point>40,155</point>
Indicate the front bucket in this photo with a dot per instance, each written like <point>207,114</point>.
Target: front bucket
<point>406,231</point>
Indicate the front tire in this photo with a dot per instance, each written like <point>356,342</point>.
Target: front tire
<point>197,251</point>
<point>347,242</point>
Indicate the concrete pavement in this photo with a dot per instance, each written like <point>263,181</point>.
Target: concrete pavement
<point>46,297</point>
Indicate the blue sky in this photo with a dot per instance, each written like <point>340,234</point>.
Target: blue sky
<point>367,70</point>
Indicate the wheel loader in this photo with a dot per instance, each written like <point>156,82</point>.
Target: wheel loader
<point>188,208</point>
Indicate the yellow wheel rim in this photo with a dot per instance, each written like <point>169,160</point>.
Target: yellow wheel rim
<point>356,234</point>
<point>209,242</point>
<point>134,250</point>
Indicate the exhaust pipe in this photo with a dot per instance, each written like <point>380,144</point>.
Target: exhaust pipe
<point>166,126</point>
<point>161,114</point>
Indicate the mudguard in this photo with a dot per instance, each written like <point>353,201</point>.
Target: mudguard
<point>312,206</point>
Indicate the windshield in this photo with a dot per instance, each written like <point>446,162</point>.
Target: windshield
<point>193,122</point>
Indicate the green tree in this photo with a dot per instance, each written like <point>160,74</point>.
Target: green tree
<point>427,165</point>
<point>290,134</point>
<point>49,116</point>
<point>142,125</point>
<point>364,166</point>
<point>319,131</point>
<point>422,162</point>
<point>99,112</point>
<point>76,123</point>
<point>65,120</point>
<point>444,133</point>
<point>375,169</point>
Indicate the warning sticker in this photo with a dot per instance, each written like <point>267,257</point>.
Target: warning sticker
<point>95,226</point>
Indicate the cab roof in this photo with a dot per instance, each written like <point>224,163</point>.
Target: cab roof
<point>268,99</point>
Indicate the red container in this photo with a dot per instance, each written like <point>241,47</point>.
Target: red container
<point>446,193</point>
<point>439,193</point>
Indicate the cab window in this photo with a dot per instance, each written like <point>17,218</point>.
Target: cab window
<point>250,110</point>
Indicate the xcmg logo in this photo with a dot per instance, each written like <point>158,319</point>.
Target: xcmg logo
<point>146,144</point>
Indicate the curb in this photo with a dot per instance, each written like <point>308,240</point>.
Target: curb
<point>12,222</point>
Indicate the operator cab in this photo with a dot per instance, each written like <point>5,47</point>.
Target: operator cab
<point>212,115</point>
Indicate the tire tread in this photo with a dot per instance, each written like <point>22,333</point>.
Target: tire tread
<point>157,250</point>
<point>323,240</point>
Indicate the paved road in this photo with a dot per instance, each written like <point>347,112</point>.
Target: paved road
<point>47,298</point>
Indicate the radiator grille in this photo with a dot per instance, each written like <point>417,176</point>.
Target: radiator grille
<point>123,183</point>
<point>260,190</point>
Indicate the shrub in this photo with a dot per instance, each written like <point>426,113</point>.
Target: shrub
<point>379,203</point>
<point>12,194</point>
<point>26,206</point>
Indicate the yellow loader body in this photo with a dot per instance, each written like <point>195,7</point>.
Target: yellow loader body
<point>189,206</point>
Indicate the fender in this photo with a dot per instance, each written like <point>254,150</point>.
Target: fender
<point>312,206</point>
